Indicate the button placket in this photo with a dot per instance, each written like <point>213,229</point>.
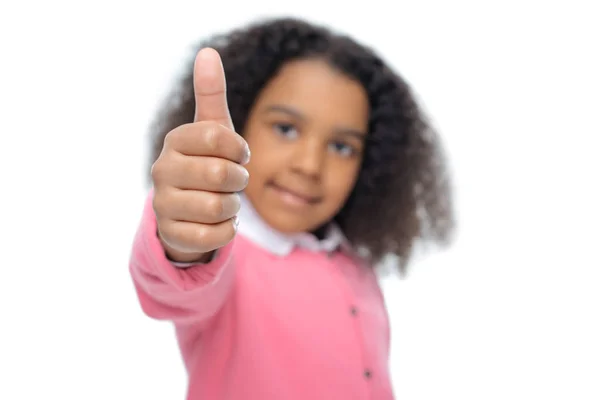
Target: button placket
<point>354,312</point>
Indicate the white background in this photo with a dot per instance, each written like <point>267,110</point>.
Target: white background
<point>510,311</point>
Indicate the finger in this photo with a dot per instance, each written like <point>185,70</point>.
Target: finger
<point>197,206</point>
<point>210,89</point>
<point>208,139</point>
<point>202,238</point>
<point>208,173</point>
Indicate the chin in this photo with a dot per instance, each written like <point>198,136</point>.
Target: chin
<point>287,225</point>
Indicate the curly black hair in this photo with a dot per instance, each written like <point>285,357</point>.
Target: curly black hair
<point>403,192</point>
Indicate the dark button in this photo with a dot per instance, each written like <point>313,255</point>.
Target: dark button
<point>353,310</point>
<point>367,373</point>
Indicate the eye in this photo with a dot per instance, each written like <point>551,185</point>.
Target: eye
<point>288,131</point>
<point>344,149</point>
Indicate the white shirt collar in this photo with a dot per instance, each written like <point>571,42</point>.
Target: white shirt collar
<point>253,227</point>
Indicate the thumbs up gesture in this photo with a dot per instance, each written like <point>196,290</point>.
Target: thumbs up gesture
<point>199,171</point>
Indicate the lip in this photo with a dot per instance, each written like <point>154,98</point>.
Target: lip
<point>295,196</point>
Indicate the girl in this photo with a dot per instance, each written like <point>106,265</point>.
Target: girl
<point>336,169</point>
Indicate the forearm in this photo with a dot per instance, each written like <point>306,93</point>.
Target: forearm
<point>166,291</point>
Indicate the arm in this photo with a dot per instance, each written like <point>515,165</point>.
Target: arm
<point>183,295</point>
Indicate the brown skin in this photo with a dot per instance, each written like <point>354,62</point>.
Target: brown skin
<point>198,173</point>
<point>403,194</point>
<point>306,133</point>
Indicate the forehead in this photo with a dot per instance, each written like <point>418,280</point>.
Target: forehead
<point>319,92</point>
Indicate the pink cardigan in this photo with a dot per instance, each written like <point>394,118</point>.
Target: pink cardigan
<point>271,317</point>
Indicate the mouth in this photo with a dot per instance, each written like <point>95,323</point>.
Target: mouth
<point>294,197</point>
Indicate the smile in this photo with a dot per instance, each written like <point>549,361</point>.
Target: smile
<point>294,198</point>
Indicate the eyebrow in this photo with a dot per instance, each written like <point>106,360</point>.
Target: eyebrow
<point>297,114</point>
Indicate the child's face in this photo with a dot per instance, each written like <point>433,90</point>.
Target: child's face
<point>306,133</point>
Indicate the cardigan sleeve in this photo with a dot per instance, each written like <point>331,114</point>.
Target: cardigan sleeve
<point>168,292</point>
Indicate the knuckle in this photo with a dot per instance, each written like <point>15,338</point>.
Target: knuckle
<point>161,204</point>
<point>219,173</point>
<point>157,171</point>
<point>212,135</point>
<point>157,204</point>
<point>214,207</point>
<point>162,170</point>
<point>172,138</point>
<point>202,236</point>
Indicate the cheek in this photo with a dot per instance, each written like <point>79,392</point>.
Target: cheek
<point>341,180</point>
<point>267,160</point>
<point>261,154</point>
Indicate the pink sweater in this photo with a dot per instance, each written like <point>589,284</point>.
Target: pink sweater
<point>271,317</point>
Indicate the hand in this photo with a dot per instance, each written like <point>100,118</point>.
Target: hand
<point>199,171</point>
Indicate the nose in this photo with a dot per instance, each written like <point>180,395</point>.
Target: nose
<point>308,159</point>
